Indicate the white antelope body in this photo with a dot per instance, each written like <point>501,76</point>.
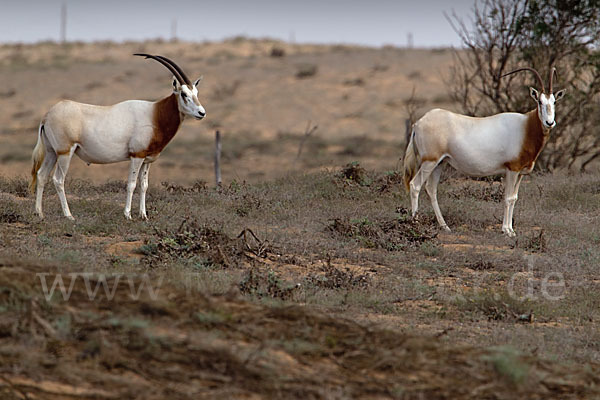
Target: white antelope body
<point>133,130</point>
<point>503,143</point>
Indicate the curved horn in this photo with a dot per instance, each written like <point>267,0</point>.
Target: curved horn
<point>537,74</point>
<point>552,74</point>
<point>169,66</point>
<point>183,75</point>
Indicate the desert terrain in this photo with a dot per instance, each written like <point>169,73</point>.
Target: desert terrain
<point>303,275</point>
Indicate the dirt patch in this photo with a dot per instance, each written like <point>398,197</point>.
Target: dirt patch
<point>461,243</point>
<point>189,346</point>
<point>126,249</point>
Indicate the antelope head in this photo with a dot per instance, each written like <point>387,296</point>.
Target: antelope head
<point>545,101</point>
<point>186,92</point>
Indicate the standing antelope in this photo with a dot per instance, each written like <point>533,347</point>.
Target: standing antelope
<point>134,130</point>
<point>505,142</point>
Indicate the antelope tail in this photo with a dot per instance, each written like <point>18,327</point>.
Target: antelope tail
<point>410,162</point>
<point>39,152</point>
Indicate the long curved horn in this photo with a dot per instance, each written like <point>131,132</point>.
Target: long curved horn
<point>552,74</point>
<point>169,66</point>
<point>537,74</point>
<point>183,75</point>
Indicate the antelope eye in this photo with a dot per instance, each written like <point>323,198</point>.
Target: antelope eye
<point>185,96</point>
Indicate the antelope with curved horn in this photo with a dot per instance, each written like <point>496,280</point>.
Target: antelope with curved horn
<point>503,143</point>
<point>133,130</point>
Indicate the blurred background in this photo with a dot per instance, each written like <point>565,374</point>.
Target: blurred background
<point>293,87</point>
<point>373,23</point>
<point>298,87</point>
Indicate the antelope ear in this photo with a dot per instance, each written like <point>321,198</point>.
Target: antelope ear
<point>176,86</point>
<point>534,93</point>
<point>198,81</point>
<point>559,95</point>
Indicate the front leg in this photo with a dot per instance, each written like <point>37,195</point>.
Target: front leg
<point>143,187</point>
<point>512,206</point>
<point>511,187</point>
<point>134,169</point>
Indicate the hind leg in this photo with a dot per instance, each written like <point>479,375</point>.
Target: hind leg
<point>431,187</point>
<point>62,166</point>
<point>42,177</point>
<point>427,167</point>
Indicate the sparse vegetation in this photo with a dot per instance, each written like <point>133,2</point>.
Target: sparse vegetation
<point>323,253</point>
<point>306,71</point>
<point>304,262</point>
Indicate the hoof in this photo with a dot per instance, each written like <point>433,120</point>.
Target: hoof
<point>445,228</point>
<point>70,217</point>
<point>144,217</point>
<point>128,217</point>
<point>509,232</point>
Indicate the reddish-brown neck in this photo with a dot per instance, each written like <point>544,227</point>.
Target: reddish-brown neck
<point>535,137</point>
<point>166,120</point>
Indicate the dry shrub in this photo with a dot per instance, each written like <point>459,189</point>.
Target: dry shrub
<point>10,216</point>
<point>387,181</point>
<point>354,173</point>
<point>335,278</point>
<point>306,71</point>
<point>354,82</point>
<point>193,240</point>
<point>390,234</point>
<point>498,306</point>
<point>277,52</point>
<point>260,283</point>
<point>534,243</point>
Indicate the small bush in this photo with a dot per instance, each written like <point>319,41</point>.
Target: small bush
<point>261,283</point>
<point>392,234</point>
<point>353,172</point>
<point>498,306</point>
<point>335,278</point>
<point>193,240</point>
<point>277,52</point>
<point>306,71</point>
